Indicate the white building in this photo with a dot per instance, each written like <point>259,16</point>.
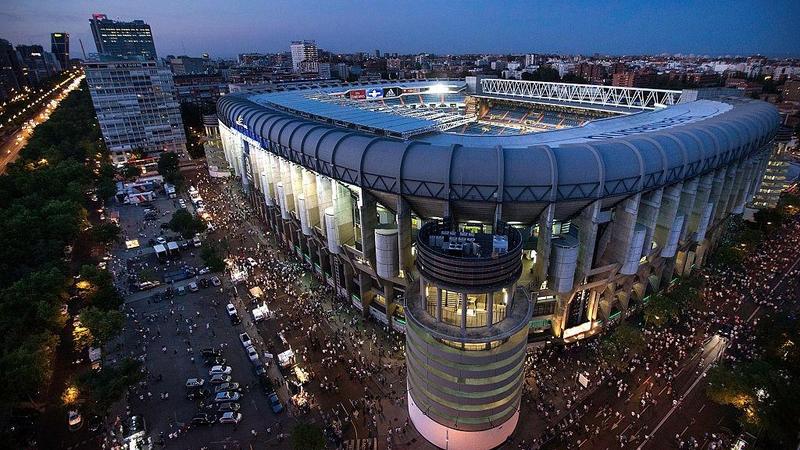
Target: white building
<point>304,56</point>
<point>137,107</point>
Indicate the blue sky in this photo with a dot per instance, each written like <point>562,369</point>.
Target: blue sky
<point>228,27</point>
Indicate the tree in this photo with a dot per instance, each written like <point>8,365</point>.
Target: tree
<point>108,385</point>
<point>104,325</point>
<point>186,224</point>
<point>306,436</point>
<point>212,259</point>
<point>660,310</point>
<point>168,167</point>
<point>621,344</point>
<point>129,172</point>
<point>106,232</point>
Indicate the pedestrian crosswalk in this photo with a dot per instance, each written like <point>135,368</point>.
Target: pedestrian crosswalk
<point>361,444</point>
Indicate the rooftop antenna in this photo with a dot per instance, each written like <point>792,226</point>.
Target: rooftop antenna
<point>82,49</point>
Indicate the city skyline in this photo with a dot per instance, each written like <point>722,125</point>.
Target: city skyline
<point>625,28</point>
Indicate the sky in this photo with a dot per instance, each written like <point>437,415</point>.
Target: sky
<point>225,28</point>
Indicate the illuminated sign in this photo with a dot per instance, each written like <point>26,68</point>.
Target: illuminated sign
<point>375,93</point>
<point>392,92</point>
<point>357,94</point>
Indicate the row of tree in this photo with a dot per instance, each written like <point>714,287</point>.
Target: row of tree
<point>47,237</point>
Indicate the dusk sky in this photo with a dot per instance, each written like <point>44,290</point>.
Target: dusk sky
<point>226,28</point>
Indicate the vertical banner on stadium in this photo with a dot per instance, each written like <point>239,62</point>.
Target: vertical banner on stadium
<point>247,176</point>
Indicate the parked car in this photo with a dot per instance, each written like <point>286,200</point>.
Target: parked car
<point>195,382</point>
<point>230,309</point>
<point>216,281</point>
<point>220,370</point>
<point>230,417</point>
<point>259,369</point>
<point>203,419</point>
<point>161,240</point>
<point>252,353</point>
<point>219,378</point>
<point>193,287</point>
<point>223,397</point>
<point>245,338</point>
<point>275,403</point>
<point>227,387</point>
<point>230,406</point>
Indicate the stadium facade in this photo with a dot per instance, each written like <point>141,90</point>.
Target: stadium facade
<point>480,215</point>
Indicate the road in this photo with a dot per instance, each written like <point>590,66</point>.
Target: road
<point>11,146</point>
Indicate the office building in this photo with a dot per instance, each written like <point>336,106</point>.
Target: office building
<point>59,46</point>
<point>304,57</point>
<point>137,107</point>
<point>38,65</point>
<point>12,77</point>
<point>122,40</point>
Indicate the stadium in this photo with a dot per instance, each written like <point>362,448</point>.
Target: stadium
<point>481,215</point>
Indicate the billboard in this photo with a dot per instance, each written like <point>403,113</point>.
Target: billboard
<point>411,90</point>
<point>375,93</point>
<point>392,92</point>
<point>357,94</point>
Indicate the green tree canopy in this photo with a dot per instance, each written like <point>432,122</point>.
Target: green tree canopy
<point>306,436</point>
<point>168,167</point>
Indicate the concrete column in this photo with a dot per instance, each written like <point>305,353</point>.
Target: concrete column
<point>369,221</point>
<point>716,190</point>
<point>438,304</point>
<point>649,209</point>
<point>727,189</point>
<point>688,196</point>
<point>704,186</point>
<point>462,298</point>
<point>296,176</point>
<point>622,233</point>
<point>311,213</point>
<point>667,213</point>
<point>366,294</point>
<point>746,184</point>
<point>543,243</point>
<point>324,199</point>
<point>342,215</point>
<point>404,236</point>
<point>489,308</point>
<point>587,223</point>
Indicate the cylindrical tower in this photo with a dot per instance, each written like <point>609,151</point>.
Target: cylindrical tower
<point>466,335</point>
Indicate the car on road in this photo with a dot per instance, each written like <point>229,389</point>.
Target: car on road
<point>220,370</point>
<point>252,262</point>
<point>275,403</point>
<point>230,417</point>
<point>230,406</point>
<point>230,309</point>
<point>227,387</point>
<point>193,287</point>
<point>245,338</point>
<point>252,353</point>
<point>219,378</point>
<point>227,396</point>
<point>216,281</point>
<point>195,382</point>
<point>161,240</point>
<point>203,419</point>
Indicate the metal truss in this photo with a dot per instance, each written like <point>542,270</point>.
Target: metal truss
<point>604,96</point>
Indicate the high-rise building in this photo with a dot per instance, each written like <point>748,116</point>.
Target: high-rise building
<point>59,45</point>
<point>137,107</point>
<point>304,56</point>
<point>122,40</point>
<point>11,74</point>
<point>38,65</point>
<point>775,178</point>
